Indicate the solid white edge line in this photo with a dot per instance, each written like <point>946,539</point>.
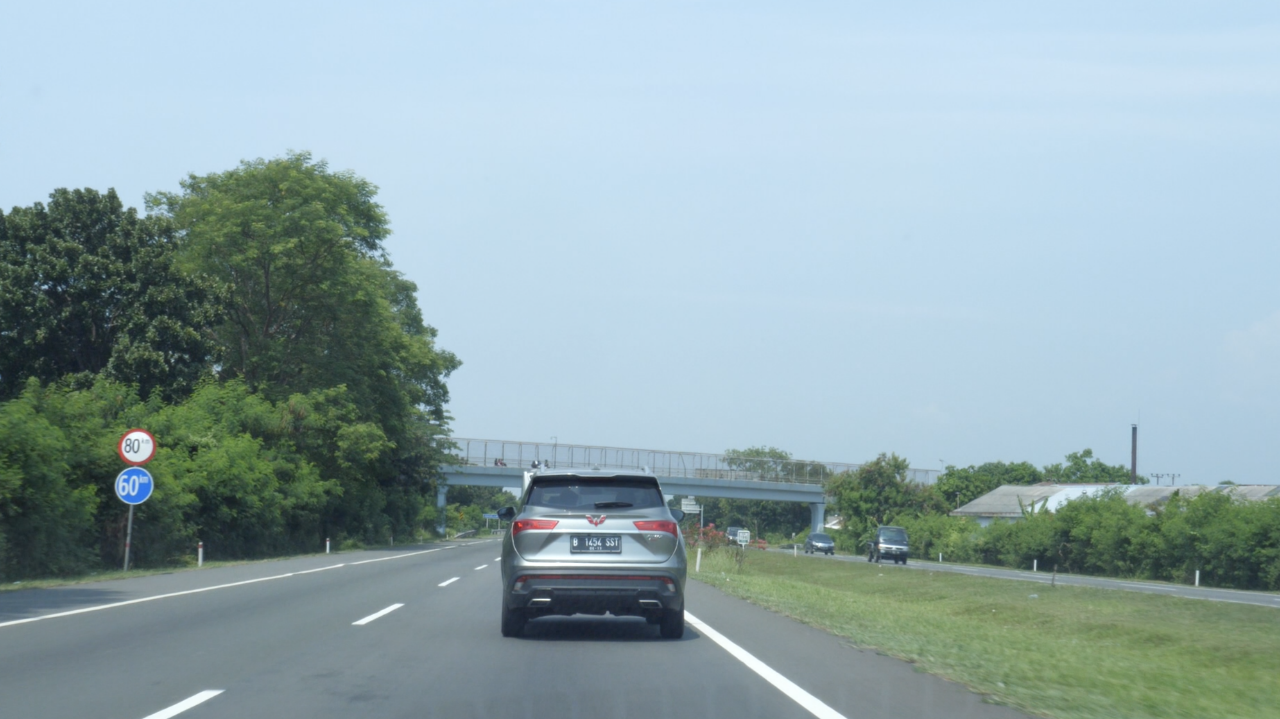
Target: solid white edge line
<point>170,595</point>
<point>185,704</point>
<point>141,600</point>
<point>375,615</point>
<point>497,559</point>
<point>309,571</point>
<point>447,582</point>
<point>399,556</point>
<point>810,703</point>
<point>482,566</point>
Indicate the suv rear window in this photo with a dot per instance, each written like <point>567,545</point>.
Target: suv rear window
<point>820,537</point>
<point>577,493</point>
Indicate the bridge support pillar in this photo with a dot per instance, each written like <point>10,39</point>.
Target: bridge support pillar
<point>817,516</point>
<point>442,491</point>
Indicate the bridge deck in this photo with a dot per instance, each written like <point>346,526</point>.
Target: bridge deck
<point>692,465</point>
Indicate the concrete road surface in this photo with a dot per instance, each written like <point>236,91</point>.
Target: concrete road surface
<point>1264,599</point>
<point>414,633</point>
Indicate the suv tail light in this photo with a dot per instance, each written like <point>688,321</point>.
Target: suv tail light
<point>523,524</point>
<point>657,526</point>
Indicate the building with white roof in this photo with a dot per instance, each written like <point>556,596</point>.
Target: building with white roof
<point>1011,500</point>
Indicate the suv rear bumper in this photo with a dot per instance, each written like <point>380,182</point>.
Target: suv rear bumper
<point>637,594</point>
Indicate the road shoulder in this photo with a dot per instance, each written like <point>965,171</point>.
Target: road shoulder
<point>855,682</point>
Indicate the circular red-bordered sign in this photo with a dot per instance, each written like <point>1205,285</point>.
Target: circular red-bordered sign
<point>137,446</point>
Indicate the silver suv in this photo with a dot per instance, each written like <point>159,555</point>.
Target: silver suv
<point>591,542</point>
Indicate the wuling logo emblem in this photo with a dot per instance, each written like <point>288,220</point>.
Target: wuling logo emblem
<point>596,521</point>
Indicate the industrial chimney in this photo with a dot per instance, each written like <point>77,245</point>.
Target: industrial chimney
<point>1133,460</point>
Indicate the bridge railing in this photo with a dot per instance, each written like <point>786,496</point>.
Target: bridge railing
<point>491,452</point>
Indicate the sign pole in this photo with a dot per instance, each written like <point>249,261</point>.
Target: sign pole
<point>128,539</point>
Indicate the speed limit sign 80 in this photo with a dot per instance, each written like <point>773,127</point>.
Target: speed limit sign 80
<point>137,446</point>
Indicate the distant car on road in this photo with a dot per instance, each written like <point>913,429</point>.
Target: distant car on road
<point>889,542</point>
<point>731,534</point>
<point>593,542</point>
<point>819,542</point>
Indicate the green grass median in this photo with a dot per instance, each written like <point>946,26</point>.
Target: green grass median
<point>1067,652</point>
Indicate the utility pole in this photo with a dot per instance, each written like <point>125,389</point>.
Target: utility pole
<point>1133,464</point>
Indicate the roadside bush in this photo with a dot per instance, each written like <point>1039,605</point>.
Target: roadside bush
<point>1233,542</point>
<point>932,534</point>
<point>709,538</point>
<point>46,516</point>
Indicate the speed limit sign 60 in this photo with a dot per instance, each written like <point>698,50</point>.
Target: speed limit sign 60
<point>134,485</point>
<point>137,446</point>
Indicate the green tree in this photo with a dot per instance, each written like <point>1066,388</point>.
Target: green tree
<point>311,301</point>
<point>762,516</point>
<point>1084,468</point>
<point>961,485</point>
<point>879,493</point>
<point>314,311</point>
<point>88,287</point>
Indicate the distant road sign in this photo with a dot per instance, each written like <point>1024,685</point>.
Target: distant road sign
<point>490,516</point>
<point>744,536</point>
<point>137,446</point>
<point>690,506</point>
<point>134,485</point>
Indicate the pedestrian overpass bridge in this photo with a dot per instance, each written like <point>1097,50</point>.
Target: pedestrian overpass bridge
<point>502,463</point>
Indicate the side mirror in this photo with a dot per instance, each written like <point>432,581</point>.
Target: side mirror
<point>507,514</point>
<point>678,514</point>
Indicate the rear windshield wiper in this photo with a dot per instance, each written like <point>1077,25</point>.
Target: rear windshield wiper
<point>612,505</point>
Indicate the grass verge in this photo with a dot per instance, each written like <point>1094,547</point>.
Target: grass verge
<point>1069,652</point>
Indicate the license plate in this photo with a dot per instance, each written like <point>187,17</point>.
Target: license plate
<point>595,542</point>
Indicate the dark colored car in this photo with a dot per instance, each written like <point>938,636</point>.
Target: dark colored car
<point>819,542</point>
<point>731,534</point>
<point>593,542</point>
<point>889,543</point>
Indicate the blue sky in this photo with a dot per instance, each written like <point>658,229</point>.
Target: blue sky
<point>989,232</point>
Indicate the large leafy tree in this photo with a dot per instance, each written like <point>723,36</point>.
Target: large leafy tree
<point>1084,468</point>
<point>88,287</point>
<point>311,306</point>
<point>879,492</point>
<point>764,516</point>
<point>311,300</point>
<point>960,485</point>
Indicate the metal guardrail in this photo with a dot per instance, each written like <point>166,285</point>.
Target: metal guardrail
<point>497,452</point>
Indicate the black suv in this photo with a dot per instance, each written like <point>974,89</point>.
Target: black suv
<point>819,542</point>
<point>889,543</point>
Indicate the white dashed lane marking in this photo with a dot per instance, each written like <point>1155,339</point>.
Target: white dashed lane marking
<point>185,704</point>
<point>375,615</point>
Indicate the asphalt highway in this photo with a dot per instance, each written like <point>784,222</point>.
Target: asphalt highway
<point>414,633</point>
<point>1263,599</point>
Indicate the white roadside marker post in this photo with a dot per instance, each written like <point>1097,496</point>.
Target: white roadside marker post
<point>1035,565</point>
<point>199,554</point>
<point>1197,577</point>
<point>697,566</point>
<point>939,557</point>
<point>326,545</point>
